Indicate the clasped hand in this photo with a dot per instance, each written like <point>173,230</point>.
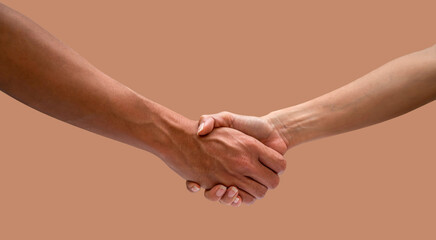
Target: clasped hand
<point>240,158</point>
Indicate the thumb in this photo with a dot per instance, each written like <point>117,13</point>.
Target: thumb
<point>208,122</point>
<point>205,125</point>
<point>192,186</point>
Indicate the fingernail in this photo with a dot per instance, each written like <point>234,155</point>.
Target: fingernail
<point>236,200</point>
<point>232,192</point>
<point>221,191</point>
<point>195,188</point>
<point>200,128</point>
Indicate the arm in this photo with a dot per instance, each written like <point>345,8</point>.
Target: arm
<point>393,89</point>
<point>43,73</point>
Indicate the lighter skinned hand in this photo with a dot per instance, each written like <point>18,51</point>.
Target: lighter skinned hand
<point>260,128</point>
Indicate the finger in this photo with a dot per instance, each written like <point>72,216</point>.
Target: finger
<point>265,176</point>
<point>230,196</point>
<point>271,159</point>
<point>251,186</point>
<point>237,202</point>
<point>208,122</point>
<point>215,193</point>
<point>206,125</point>
<point>192,186</point>
<point>246,198</point>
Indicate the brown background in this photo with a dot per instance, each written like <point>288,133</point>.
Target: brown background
<point>249,57</point>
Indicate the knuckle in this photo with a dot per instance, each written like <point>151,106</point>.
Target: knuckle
<point>250,143</point>
<point>224,113</point>
<point>203,118</point>
<point>253,142</point>
<point>227,117</point>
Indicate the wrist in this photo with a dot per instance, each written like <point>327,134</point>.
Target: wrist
<point>297,124</point>
<point>277,122</point>
<point>153,127</point>
<point>175,132</point>
<point>167,131</point>
<point>174,140</point>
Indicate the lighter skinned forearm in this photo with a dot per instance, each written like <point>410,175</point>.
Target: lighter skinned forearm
<point>395,88</point>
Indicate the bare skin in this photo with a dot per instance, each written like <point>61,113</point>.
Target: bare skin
<point>45,74</point>
<point>395,88</point>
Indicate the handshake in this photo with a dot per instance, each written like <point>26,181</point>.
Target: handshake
<point>237,159</point>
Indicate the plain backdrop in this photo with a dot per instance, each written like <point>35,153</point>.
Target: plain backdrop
<point>248,57</point>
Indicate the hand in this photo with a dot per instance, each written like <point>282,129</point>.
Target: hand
<point>225,156</point>
<point>260,128</point>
